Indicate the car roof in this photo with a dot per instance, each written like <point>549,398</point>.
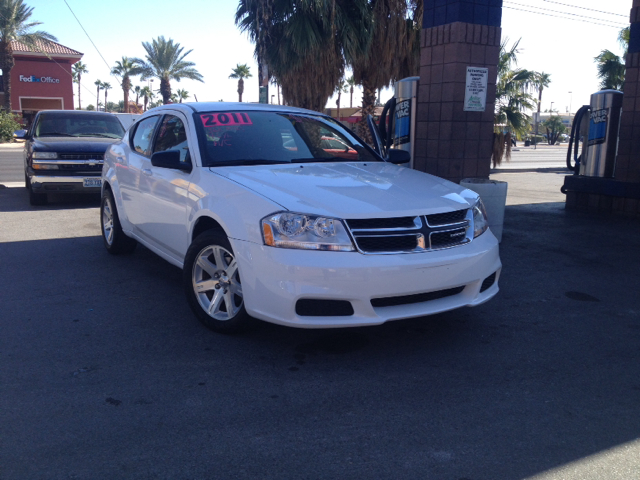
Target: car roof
<point>77,112</point>
<point>226,106</point>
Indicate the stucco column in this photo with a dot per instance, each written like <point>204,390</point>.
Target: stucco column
<point>451,142</point>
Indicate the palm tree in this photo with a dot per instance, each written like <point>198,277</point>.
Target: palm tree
<point>611,70</point>
<point>147,95</point>
<point>512,101</point>
<point>78,69</point>
<point>125,68</point>
<point>136,90</point>
<point>341,88</point>
<point>182,95</point>
<point>241,72</point>
<point>352,83</point>
<point>15,25</point>
<point>305,45</point>
<point>165,60</point>
<point>98,84</point>
<point>541,81</point>
<point>106,86</point>
<point>381,63</point>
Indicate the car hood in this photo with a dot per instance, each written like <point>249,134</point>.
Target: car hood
<point>351,190</point>
<point>73,144</point>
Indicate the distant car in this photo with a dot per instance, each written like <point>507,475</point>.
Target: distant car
<point>64,151</point>
<point>267,222</point>
<point>127,119</point>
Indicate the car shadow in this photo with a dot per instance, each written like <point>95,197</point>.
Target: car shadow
<point>16,199</point>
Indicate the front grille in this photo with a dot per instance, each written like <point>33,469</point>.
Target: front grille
<point>447,218</point>
<point>416,298</point>
<point>382,223</point>
<point>488,282</point>
<point>80,167</point>
<point>310,307</point>
<point>81,156</point>
<point>411,234</point>
<point>395,243</point>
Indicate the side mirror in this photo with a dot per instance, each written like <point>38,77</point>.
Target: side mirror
<point>398,156</point>
<point>22,134</point>
<point>170,159</point>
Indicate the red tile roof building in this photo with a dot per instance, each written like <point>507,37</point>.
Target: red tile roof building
<point>41,78</point>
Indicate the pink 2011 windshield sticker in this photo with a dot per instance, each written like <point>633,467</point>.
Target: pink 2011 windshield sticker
<point>224,119</point>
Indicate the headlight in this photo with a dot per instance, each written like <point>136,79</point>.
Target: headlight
<point>480,222</point>
<point>41,166</point>
<point>308,232</point>
<point>45,155</point>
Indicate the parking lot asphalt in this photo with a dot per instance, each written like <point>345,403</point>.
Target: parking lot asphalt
<point>105,373</point>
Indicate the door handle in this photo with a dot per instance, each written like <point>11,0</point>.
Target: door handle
<point>146,171</point>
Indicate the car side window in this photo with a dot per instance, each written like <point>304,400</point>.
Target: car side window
<point>172,136</point>
<point>143,135</point>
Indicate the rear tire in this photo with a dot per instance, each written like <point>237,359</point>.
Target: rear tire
<point>212,284</point>
<point>115,240</point>
<point>35,199</point>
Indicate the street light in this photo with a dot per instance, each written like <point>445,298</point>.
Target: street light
<point>551,109</point>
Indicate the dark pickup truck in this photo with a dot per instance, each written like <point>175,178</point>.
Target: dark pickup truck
<point>64,152</point>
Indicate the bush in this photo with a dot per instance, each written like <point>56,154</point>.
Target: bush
<point>8,125</point>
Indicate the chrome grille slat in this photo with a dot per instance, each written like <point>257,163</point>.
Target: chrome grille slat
<point>411,234</point>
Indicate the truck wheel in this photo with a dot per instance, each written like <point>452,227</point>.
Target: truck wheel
<point>212,284</point>
<point>115,240</point>
<point>34,198</point>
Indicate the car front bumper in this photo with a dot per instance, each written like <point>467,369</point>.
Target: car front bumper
<point>65,183</point>
<point>275,279</point>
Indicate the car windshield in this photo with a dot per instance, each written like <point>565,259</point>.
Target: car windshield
<point>59,124</point>
<point>258,137</point>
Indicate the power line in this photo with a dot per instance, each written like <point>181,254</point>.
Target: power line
<point>94,45</point>
<point>585,8</point>
<point>565,18</point>
<point>568,13</point>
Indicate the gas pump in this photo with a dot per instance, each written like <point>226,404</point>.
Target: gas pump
<point>600,144</point>
<point>397,126</point>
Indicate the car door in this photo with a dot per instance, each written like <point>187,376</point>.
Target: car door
<point>130,174</point>
<point>164,191</point>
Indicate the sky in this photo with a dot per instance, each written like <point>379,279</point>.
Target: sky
<point>561,47</point>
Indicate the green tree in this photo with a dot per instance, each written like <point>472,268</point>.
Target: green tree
<point>513,100</point>
<point>98,83</point>
<point>611,67</point>
<point>241,72</point>
<point>182,95</point>
<point>147,95</point>
<point>90,107</point>
<point>304,45</point>
<point>165,60</point>
<point>340,89</point>
<point>8,125</point>
<point>77,70</point>
<point>106,86</point>
<point>541,81</point>
<point>351,82</point>
<point>15,25</point>
<point>554,127</point>
<point>125,68</point>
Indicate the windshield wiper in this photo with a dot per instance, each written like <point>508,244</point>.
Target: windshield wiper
<point>105,135</point>
<point>55,134</point>
<point>319,160</point>
<point>255,161</point>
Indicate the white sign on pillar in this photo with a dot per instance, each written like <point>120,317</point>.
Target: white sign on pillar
<point>475,94</point>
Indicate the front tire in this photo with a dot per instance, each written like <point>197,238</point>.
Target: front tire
<point>212,284</point>
<point>115,240</point>
<point>35,199</point>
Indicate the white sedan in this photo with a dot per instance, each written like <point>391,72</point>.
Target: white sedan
<point>268,223</point>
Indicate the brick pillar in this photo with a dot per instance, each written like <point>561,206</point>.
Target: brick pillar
<point>450,142</point>
<point>628,161</point>
<point>619,195</point>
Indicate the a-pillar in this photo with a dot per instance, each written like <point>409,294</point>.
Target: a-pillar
<point>619,195</point>
<point>450,142</point>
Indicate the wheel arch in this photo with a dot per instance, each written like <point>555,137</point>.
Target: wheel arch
<point>205,223</point>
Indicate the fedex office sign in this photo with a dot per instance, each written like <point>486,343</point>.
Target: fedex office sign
<point>34,79</point>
